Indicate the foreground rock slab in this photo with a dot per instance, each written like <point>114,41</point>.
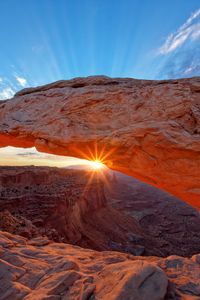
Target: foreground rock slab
<point>41,269</point>
<point>147,129</point>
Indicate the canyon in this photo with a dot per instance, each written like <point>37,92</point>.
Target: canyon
<point>79,234</point>
<point>46,214</point>
<point>98,210</point>
<point>143,128</point>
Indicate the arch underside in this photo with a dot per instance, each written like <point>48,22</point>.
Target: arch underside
<point>147,129</point>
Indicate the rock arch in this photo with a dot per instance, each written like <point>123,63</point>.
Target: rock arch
<point>147,129</point>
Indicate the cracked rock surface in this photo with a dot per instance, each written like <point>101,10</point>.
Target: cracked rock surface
<point>147,129</point>
<point>41,269</point>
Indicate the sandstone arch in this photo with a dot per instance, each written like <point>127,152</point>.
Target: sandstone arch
<point>147,129</point>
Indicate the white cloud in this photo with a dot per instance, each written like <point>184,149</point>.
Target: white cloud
<point>193,16</point>
<point>6,93</point>
<point>22,81</point>
<point>188,70</point>
<point>190,30</point>
<point>1,80</point>
<point>192,69</point>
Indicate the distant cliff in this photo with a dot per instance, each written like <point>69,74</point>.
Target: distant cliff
<point>102,212</point>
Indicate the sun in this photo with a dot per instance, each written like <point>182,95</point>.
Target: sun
<point>96,164</point>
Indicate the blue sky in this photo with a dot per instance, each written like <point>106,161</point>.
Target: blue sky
<point>47,40</point>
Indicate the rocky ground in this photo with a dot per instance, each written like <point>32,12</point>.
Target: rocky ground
<point>146,129</point>
<point>46,214</point>
<point>39,269</point>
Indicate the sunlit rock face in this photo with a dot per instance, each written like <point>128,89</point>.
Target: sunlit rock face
<point>147,129</point>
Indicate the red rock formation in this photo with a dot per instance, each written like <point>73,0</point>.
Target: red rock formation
<point>17,225</point>
<point>147,129</point>
<point>65,207</point>
<point>118,214</point>
<point>40,269</point>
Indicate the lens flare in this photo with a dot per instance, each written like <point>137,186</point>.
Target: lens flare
<point>96,164</point>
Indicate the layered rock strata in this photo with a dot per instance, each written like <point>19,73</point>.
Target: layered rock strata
<point>101,211</point>
<point>147,129</point>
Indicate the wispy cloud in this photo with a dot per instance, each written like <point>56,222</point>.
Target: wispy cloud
<point>6,93</point>
<point>19,156</point>
<point>22,81</point>
<point>28,154</point>
<point>9,85</point>
<point>183,63</point>
<point>189,31</point>
<point>192,69</point>
<point>179,55</point>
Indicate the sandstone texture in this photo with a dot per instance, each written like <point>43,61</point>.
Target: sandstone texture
<point>110,211</point>
<point>40,269</point>
<point>147,129</point>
